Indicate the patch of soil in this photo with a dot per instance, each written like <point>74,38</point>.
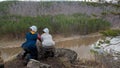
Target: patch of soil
<point>15,64</point>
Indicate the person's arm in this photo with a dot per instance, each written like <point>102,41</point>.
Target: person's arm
<point>39,37</point>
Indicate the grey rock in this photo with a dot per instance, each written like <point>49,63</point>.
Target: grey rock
<point>67,53</point>
<point>62,52</point>
<point>36,64</point>
<point>66,56</point>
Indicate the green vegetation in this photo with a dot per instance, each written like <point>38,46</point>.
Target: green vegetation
<point>93,51</point>
<point>45,4</point>
<point>112,33</point>
<point>94,15</point>
<point>94,4</point>
<point>16,26</point>
<point>108,13</point>
<point>116,5</point>
<point>115,13</point>
<point>104,13</point>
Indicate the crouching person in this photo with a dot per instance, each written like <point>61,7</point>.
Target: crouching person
<point>29,46</point>
<point>47,44</point>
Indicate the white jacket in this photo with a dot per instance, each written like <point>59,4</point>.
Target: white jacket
<point>47,40</point>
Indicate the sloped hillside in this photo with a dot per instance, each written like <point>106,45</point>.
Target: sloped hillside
<point>84,17</point>
<point>110,12</point>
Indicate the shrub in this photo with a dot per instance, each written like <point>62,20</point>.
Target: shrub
<point>111,33</point>
<point>62,24</point>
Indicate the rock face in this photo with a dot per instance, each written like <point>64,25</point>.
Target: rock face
<point>64,56</point>
<point>108,53</point>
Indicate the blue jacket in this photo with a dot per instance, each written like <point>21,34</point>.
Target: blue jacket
<point>30,41</point>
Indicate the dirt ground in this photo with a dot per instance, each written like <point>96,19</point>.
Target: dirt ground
<point>55,63</point>
<point>20,64</point>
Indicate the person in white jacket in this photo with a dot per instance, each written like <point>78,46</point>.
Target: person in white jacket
<point>47,44</point>
<point>46,38</point>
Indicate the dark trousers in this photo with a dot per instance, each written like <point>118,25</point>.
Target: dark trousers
<point>2,65</point>
<point>30,53</point>
<point>47,51</point>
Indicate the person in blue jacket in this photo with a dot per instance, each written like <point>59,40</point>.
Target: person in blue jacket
<point>29,46</point>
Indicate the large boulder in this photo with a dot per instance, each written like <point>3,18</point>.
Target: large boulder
<point>63,57</point>
<point>66,53</point>
<point>62,52</point>
<point>59,52</point>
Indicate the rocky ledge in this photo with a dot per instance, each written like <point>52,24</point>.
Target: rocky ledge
<point>64,58</point>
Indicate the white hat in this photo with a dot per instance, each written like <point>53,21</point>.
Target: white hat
<point>33,28</point>
<point>46,30</point>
